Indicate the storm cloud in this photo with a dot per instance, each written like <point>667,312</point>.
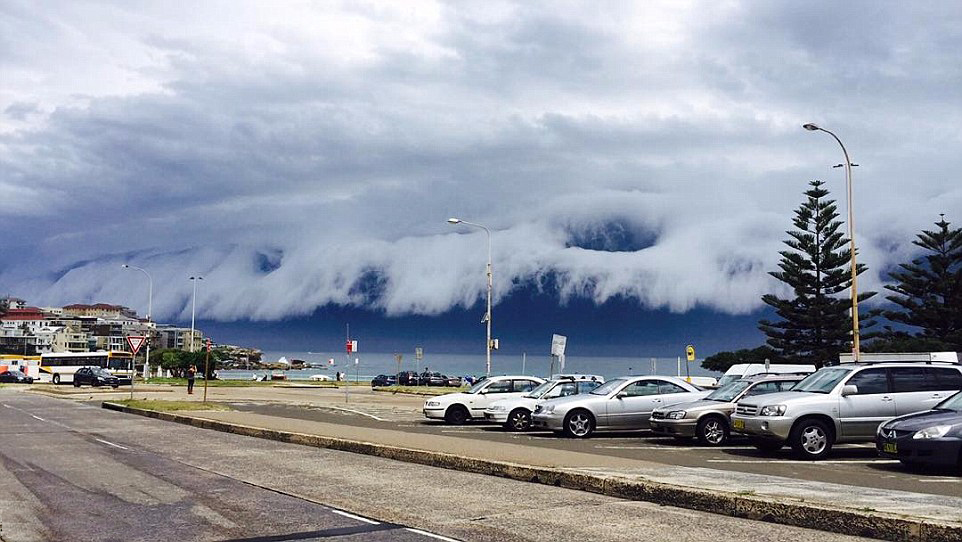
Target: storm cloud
<point>304,154</point>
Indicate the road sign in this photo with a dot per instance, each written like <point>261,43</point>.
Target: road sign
<point>351,346</point>
<point>136,342</point>
<point>558,343</point>
<point>690,352</point>
<point>418,353</point>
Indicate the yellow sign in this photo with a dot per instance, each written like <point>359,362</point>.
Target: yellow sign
<point>690,351</point>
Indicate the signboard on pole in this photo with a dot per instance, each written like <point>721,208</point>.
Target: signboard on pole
<point>558,343</point>
<point>351,346</point>
<point>690,352</point>
<point>135,343</point>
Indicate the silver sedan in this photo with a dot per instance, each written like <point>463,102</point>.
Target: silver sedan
<point>622,404</point>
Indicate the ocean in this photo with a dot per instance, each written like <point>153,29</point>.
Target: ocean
<point>371,364</point>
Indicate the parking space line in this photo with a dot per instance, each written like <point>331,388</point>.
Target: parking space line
<point>949,480</point>
<point>804,462</point>
<point>685,448</point>
<point>352,516</point>
<point>37,417</point>
<point>431,535</point>
<point>356,412</point>
<point>111,444</point>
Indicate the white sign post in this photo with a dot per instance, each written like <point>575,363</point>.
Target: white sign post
<point>135,342</point>
<point>558,343</point>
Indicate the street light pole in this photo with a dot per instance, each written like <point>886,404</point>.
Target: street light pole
<point>150,302</point>
<point>487,314</point>
<point>193,306</point>
<point>851,237</point>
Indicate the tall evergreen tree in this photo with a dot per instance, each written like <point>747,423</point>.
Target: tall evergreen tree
<point>929,289</point>
<point>815,325</point>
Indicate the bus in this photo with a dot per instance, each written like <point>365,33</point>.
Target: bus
<point>60,367</point>
<point>30,365</point>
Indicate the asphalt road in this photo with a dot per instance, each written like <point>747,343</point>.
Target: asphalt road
<point>73,471</point>
<point>852,464</point>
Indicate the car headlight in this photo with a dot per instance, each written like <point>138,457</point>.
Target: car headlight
<point>772,410</point>
<point>432,403</point>
<point>676,414</point>
<point>936,431</point>
<point>496,408</point>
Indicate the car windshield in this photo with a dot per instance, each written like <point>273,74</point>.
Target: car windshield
<point>477,387</point>
<point>101,372</point>
<point>952,403</point>
<point>540,390</point>
<point>609,386</point>
<point>822,381</point>
<point>727,379</point>
<point>728,392</point>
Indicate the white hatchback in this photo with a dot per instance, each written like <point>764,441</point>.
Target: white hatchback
<point>457,408</point>
<point>515,413</point>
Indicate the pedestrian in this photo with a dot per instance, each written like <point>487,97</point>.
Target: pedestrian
<point>191,372</point>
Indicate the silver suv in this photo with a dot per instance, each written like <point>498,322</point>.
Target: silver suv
<point>843,403</point>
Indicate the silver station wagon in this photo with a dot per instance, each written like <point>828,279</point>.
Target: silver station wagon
<point>622,404</point>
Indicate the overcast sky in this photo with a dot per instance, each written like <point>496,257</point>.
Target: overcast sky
<point>303,154</point>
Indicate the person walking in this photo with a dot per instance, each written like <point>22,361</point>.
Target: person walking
<point>191,372</point>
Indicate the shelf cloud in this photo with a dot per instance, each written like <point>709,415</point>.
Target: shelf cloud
<point>298,155</point>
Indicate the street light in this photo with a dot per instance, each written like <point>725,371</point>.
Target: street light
<point>487,314</point>
<point>851,236</point>
<point>150,301</point>
<point>193,305</point>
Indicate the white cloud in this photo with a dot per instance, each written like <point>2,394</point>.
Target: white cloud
<point>336,139</point>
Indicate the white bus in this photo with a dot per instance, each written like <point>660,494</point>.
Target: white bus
<point>59,368</point>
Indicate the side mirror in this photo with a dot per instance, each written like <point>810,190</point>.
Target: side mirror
<point>622,394</point>
<point>849,389</point>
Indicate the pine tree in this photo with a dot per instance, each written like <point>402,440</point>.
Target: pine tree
<point>929,290</point>
<point>815,325</point>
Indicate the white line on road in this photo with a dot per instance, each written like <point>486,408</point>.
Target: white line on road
<point>352,516</point>
<point>358,412</point>
<point>6,405</point>
<point>112,444</point>
<point>432,535</point>
<point>37,417</point>
<point>686,448</point>
<point>820,462</point>
<point>950,480</point>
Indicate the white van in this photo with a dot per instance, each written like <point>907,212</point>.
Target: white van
<point>743,370</point>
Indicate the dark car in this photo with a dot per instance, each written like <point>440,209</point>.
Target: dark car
<point>454,381</point>
<point>15,377</point>
<point>383,380</point>
<point>433,379</point>
<point>931,437</point>
<point>408,378</point>
<point>94,376</point>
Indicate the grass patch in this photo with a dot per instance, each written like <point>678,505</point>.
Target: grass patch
<point>171,406</point>
<point>199,383</point>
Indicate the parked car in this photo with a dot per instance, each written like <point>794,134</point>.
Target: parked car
<point>623,404</point>
<point>433,379</point>
<point>14,376</point>
<point>94,376</point>
<point>744,370</point>
<point>320,378</point>
<point>843,403</point>
<point>383,380</point>
<point>709,419</point>
<point>456,408</point>
<point>454,381</point>
<point>515,413</point>
<point>933,437</point>
<point>409,378</point>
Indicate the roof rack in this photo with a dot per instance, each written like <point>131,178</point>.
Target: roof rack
<point>902,357</point>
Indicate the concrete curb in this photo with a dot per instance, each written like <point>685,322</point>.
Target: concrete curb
<point>795,513</point>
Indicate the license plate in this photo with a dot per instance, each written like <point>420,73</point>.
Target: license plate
<point>738,424</point>
<point>890,448</point>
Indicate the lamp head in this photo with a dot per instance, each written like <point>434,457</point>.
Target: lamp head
<point>454,221</point>
<point>125,266</point>
<point>810,127</point>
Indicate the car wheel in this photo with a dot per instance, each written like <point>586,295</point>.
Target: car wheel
<point>519,420</point>
<point>76,383</point>
<point>712,431</point>
<point>56,379</point>
<point>579,424</point>
<point>767,446</point>
<point>811,439</point>
<point>115,386</point>
<point>456,415</point>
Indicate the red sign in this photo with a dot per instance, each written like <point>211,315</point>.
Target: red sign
<point>351,346</point>
<point>135,343</point>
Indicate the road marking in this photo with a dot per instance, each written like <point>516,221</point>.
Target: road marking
<point>686,448</point>
<point>950,480</point>
<point>6,405</point>
<point>777,461</point>
<point>357,412</point>
<point>112,444</point>
<point>432,535</point>
<point>352,516</point>
<point>476,432</point>
<point>37,417</point>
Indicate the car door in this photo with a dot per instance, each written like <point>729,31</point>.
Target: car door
<point>496,391</point>
<point>936,384</point>
<point>911,389</point>
<point>631,407</point>
<point>861,413</point>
